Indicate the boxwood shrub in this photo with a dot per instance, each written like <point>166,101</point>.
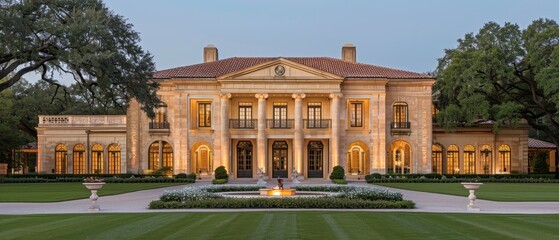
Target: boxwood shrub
<point>220,181</point>
<point>317,203</point>
<point>337,173</point>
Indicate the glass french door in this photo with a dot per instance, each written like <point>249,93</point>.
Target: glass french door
<point>280,116</point>
<point>279,159</point>
<point>315,155</point>
<point>244,159</point>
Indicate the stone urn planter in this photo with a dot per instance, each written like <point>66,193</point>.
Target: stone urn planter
<point>472,197</point>
<point>94,186</point>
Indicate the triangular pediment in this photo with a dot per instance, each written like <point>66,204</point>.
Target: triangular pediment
<point>279,69</point>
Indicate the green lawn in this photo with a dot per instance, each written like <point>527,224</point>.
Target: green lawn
<point>55,192</point>
<point>280,225</point>
<point>507,192</point>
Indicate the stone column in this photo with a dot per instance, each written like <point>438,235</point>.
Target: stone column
<point>261,138</point>
<point>382,123</point>
<point>298,137</point>
<point>225,136</point>
<point>335,139</point>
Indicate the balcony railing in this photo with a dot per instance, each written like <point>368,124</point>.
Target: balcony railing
<point>280,123</point>
<point>159,125</point>
<point>243,123</point>
<point>317,123</point>
<point>400,125</point>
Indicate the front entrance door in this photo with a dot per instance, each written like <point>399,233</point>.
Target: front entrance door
<point>244,159</point>
<point>279,159</point>
<point>315,153</point>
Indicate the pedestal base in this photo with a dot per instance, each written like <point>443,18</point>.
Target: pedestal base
<point>473,209</point>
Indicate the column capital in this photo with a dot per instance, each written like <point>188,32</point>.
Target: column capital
<point>336,95</point>
<point>225,95</point>
<point>298,95</point>
<point>261,95</point>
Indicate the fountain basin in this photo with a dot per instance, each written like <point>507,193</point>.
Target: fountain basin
<point>277,192</point>
<point>256,194</point>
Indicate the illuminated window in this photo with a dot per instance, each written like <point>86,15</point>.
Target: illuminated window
<point>486,159</point>
<point>245,115</point>
<point>97,159</point>
<point>437,159</point>
<point>356,114</point>
<point>279,117</point>
<point>204,114</point>
<point>61,157</point>
<point>469,159</point>
<point>79,159</point>
<point>314,113</point>
<point>153,156</point>
<point>167,155</point>
<point>400,115</point>
<point>160,120</point>
<point>504,159</point>
<point>452,160</point>
<point>114,158</point>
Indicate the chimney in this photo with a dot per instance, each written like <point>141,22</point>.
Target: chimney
<point>210,54</point>
<point>349,53</point>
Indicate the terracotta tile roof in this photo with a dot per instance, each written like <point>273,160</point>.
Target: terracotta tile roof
<point>330,65</point>
<point>535,143</point>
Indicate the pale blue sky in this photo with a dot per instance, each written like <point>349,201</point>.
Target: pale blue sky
<point>404,34</point>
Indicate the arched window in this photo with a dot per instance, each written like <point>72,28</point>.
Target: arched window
<point>486,159</point>
<point>61,157</point>
<point>97,159</point>
<point>469,159</point>
<point>153,156</point>
<point>399,160</point>
<point>114,158</point>
<point>504,159</point>
<point>437,158</point>
<point>203,159</point>
<point>400,115</point>
<point>160,120</point>
<point>167,155</point>
<point>452,160</point>
<point>79,159</point>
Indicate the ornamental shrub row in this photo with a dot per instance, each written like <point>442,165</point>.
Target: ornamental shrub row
<point>107,180</point>
<point>354,192</point>
<point>317,203</point>
<point>458,180</point>
<point>466,176</point>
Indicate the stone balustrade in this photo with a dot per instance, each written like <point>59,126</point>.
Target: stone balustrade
<point>47,120</point>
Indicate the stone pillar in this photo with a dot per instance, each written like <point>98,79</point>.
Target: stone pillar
<point>298,137</point>
<point>225,136</point>
<point>261,138</point>
<point>382,132</point>
<point>335,139</point>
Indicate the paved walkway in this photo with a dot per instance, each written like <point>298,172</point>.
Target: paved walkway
<point>136,202</point>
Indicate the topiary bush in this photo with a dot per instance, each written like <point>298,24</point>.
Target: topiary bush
<point>220,181</point>
<point>221,173</point>
<point>181,175</point>
<point>337,173</point>
<point>339,181</point>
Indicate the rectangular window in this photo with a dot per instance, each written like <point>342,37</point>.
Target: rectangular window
<point>204,114</point>
<point>245,115</point>
<point>356,114</point>
<point>280,115</point>
<point>314,112</point>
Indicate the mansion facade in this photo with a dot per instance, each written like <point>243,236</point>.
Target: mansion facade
<point>280,116</point>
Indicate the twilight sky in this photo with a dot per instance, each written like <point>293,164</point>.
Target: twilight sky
<point>403,34</point>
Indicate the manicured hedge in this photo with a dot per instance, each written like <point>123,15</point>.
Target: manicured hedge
<point>318,203</point>
<point>220,181</point>
<point>339,181</point>
<point>107,180</point>
<point>467,176</point>
<point>455,179</point>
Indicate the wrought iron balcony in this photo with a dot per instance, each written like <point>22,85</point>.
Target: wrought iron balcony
<point>280,123</point>
<point>243,123</point>
<point>400,125</point>
<point>317,123</point>
<point>159,125</point>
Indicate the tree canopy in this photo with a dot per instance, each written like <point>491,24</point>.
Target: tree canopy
<point>82,39</point>
<point>503,74</point>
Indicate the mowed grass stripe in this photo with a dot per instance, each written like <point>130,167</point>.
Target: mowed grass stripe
<point>280,225</point>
